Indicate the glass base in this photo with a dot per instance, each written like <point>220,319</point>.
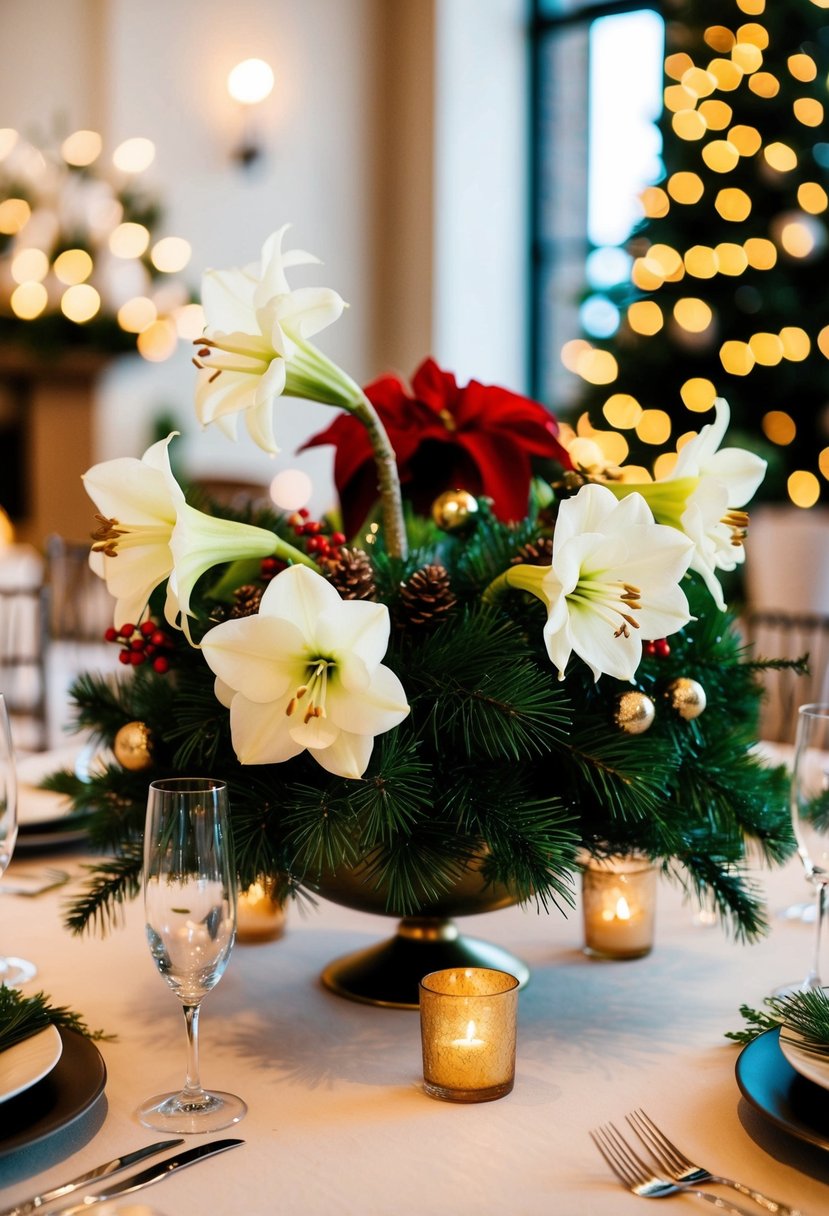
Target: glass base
<point>185,1114</point>
<point>447,1094</point>
<point>14,971</point>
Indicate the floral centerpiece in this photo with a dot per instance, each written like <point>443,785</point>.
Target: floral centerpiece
<point>500,656</point>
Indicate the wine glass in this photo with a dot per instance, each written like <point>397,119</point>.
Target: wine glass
<point>13,971</point>
<point>190,915</point>
<point>809,800</point>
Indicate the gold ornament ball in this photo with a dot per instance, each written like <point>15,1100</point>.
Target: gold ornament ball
<point>133,746</point>
<point>687,697</point>
<point>634,713</point>
<point>453,509</point>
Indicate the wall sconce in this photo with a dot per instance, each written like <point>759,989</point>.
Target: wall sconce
<point>249,83</point>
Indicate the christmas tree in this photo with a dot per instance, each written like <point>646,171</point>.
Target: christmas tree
<point>727,284</point>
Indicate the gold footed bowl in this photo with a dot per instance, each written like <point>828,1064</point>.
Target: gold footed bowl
<point>389,973</point>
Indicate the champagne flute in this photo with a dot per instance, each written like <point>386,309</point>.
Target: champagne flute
<point>13,971</point>
<point>810,816</point>
<point>190,915</point>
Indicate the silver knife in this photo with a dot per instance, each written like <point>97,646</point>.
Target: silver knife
<point>146,1177</point>
<point>27,1206</point>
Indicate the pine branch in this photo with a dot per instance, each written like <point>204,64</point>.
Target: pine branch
<point>21,1017</point>
<point>110,884</point>
<point>758,1023</point>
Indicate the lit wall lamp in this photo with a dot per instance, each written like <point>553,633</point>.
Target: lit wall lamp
<point>249,83</point>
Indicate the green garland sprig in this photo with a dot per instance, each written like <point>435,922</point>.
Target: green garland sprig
<point>21,1017</point>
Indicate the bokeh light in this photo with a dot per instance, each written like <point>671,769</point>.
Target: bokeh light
<point>747,57</point>
<point>645,317</point>
<point>781,157</point>
<point>291,489</point>
<point>701,262</point>
<point>129,240</point>
<point>81,148</point>
<point>29,266</point>
<point>654,427</point>
<point>760,253</point>
<point>189,321</point>
<point>250,82</point>
<point>134,155</point>
<point>717,114</point>
<point>802,67</point>
<point>720,156</point>
<point>655,203</point>
<point>809,111</point>
<point>158,341</point>
<point>29,300</point>
<point>80,303</point>
<point>137,314</point>
<point>73,266</point>
<point>171,254</point>
<point>719,38</point>
<point>767,349</point>
<point>698,394</point>
<point>622,410</point>
<point>733,204</point>
<point>753,33</point>
<point>764,84</point>
<point>726,73</point>
<point>693,314</point>
<point>803,488</point>
<point>796,343</point>
<point>736,357</point>
<point>686,187</point>
<point>732,259</point>
<point>778,427</point>
<point>810,195</point>
<point>747,140</point>
<point>689,124</point>
<point>14,215</point>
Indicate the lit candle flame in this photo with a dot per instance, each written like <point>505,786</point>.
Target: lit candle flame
<point>470,1031</point>
<point>622,909</point>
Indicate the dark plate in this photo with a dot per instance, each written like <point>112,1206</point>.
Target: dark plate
<point>768,1081</point>
<point>66,1093</point>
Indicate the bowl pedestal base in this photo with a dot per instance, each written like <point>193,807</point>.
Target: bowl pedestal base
<point>389,973</point>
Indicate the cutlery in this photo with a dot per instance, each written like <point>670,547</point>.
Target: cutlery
<point>154,1174</point>
<point>680,1169</point>
<point>26,1206</point>
<point>638,1177</point>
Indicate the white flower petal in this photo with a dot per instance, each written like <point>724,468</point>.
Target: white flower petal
<point>261,733</point>
<point>258,656</point>
<point>348,755</point>
<point>300,596</point>
<point>357,626</point>
<point>378,709</point>
<point>227,299</point>
<point>595,641</point>
<point>307,310</point>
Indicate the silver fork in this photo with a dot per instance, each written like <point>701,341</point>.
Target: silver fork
<point>638,1177</point>
<point>681,1169</point>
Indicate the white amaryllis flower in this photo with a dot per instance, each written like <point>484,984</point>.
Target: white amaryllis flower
<point>613,582</point>
<point>148,533</point>
<point>305,672</point>
<point>702,495</point>
<point>255,344</point>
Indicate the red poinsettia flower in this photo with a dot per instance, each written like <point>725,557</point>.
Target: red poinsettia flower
<point>478,438</point>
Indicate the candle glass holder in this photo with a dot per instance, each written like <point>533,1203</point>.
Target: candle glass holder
<point>468,1022</point>
<point>619,906</point>
<point>260,917</point>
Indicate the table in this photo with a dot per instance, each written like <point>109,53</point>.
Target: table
<point>337,1119</point>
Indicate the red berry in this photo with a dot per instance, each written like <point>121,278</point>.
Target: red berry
<point>126,631</point>
<point>159,638</point>
<point>149,650</point>
<point>124,656</point>
<point>111,635</point>
<point>304,512</point>
<point>161,665</point>
<point>337,538</point>
<point>268,564</point>
<point>313,526</point>
<point>147,627</point>
<point>136,657</point>
<point>663,648</point>
<point>137,644</point>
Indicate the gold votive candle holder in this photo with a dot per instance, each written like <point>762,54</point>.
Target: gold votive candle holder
<point>468,1020</point>
<point>619,906</point>
<point>260,917</point>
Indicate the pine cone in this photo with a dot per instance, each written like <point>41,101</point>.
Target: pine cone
<point>352,573</point>
<point>246,603</point>
<point>426,598</point>
<point>538,552</point>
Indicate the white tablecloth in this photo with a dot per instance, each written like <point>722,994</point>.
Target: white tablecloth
<point>338,1122</point>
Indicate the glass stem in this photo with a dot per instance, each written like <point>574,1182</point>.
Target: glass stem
<point>192,1085</point>
<point>820,912</point>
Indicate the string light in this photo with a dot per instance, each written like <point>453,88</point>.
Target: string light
<point>137,314</point>
<point>698,394</point>
<point>823,341</point>
<point>693,314</point>
<point>747,140</point>
<point>190,322</point>
<point>701,262</point>
<point>719,38</point>
<point>29,300</point>
<point>810,195</point>
<point>129,240</point>
<point>597,366</point>
<point>796,343</point>
<point>14,215</point>
<point>753,33</point>
<point>654,427</point>
<point>655,203</point>
<point>726,73</point>
<point>802,67</point>
<point>780,157</point>
<point>73,266</point>
<point>736,357</point>
<point>698,82</point>
<point>571,353</point>
<point>809,111</point>
<point>731,259</point>
<point>733,204</point>
<point>677,65</point>
<point>753,8</point>
<point>803,488</point>
<point>689,124</point>
<point>170,254</point>
<point>747,57</point>
<point>664,464</point>
<point>823,463</point>
<point>29,266</point>
<point>134,155</point>
<point>81,148</point>
<point>158,341</point>
<point>764,84</point>
<point>717,114</point>
<point>686,187</point>
<point>645,317</point>
<point>80,303</point>
<point>622,410</point>
<point>766,348</point>
<point>778,427</point>
<point>678,97</point>
<point>761,254</point>
<point>720,156</point>
<point>646,275</point>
